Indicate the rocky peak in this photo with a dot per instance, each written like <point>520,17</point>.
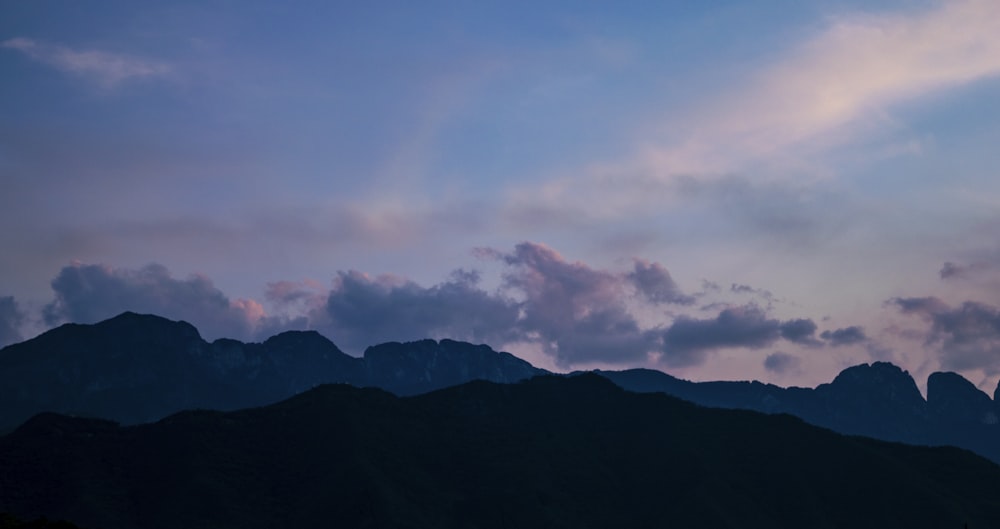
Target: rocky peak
<point>877,399</point>
<point>416,367</point>
<point>293,341</point>
<point>880,380</point>
<point>953,398</point>
<point>946,388</point>
<point>147,326</point>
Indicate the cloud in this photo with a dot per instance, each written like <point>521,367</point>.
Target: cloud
<point>687,339</point>
<point>108,69</point>
<point>781,363</point>
<point>968,336</point>
<point>11,319</point>
<point>926,306</point>
<point>846,336</point>
<point>91,293</point>
<point>950,270</point>
<point>577,313</point>
<point>654,283</point>
<point>361,310</point>
<point>840,85</point>
<point>849,75</point>
<point>975,270</point>
<point>802,331</point>
<point>574,313</point>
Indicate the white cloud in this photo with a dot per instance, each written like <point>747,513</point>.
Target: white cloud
<point>107,69</point>
<point>843,81</point>
<point>839,87</point>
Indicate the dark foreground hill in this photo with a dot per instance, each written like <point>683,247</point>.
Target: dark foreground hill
<point>551,452</point>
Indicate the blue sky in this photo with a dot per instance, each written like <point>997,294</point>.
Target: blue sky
<point>738,190</point>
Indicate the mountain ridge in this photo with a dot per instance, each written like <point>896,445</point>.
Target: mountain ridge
<point>136,368</point>
<point>139,368</point>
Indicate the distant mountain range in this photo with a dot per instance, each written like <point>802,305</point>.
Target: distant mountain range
<point>139,368</point>
<point>551,452</point>
<point>876,400</point>
<point>136,368</point>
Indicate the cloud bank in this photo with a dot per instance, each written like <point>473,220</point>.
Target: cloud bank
<point>574,313</point>
<point>966,336</point>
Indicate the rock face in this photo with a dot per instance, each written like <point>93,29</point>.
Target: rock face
<point>953,398</point>
<point>880,400</point>
<point>138,368</point>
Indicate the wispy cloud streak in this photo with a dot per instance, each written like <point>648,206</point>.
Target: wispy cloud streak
<point>849,75</point>
<point>108,69</point>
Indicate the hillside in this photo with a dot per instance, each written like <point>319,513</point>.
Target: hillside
<point>550,452</point>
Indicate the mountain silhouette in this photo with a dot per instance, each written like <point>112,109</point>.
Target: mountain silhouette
<point>877,400</point>
<point>139,368</point>
<point>548,452</point>
<point>136,368</point>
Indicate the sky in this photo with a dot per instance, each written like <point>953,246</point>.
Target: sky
<point>771,190</point>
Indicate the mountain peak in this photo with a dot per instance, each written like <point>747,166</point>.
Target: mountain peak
<point>134,321</point>
<point>881,379</point>
<point>420,366</point>
<point>876,372</point>
<point>289,339</point>
<point>952,396</point>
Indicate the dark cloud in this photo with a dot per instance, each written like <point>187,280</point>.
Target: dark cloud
<point>846,336</point>
<point>950,270</point>
<point>968,335</point>
<point>90,293</point>
<point>687,339</point>
<point>737,288</point>
<point>654,283</point>
<point>800,330</point>
<point>361,310</point>
<point>709,286</point>
<point>927,306</point>
<point>781,363</point>
<point>575,312</point>
<point>11,319</point>
<point>956,271</point>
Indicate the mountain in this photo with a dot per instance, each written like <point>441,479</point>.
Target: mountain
<point>877,400</point>
<point>137,368</point>
<point>549,452</point>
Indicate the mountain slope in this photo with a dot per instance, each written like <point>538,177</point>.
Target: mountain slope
<point>550,452</point>
<point>877,400</point>
<point>139,368</point>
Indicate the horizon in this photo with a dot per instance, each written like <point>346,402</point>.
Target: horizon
<point>762,192</point>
